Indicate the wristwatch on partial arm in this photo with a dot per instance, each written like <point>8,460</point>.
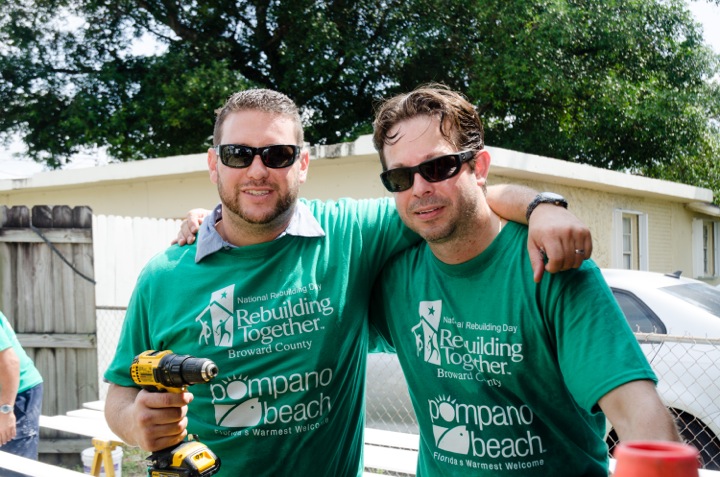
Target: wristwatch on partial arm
<point>545,198</point>
<point>6,409</point>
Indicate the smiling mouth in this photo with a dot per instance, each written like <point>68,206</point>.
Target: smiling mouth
<point>427,211</point>
<point>257,193</point>
<point>424,212</point>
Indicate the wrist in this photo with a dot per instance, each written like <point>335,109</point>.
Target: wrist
<point>545,198</point>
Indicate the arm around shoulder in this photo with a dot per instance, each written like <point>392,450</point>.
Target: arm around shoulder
<point>190,226</point>
<point>557,239</point>
<point>510,201</point>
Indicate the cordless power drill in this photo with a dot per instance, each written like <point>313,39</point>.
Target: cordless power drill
<point>163,371</point>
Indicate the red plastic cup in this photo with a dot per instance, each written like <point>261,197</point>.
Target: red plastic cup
<point>655,459</point>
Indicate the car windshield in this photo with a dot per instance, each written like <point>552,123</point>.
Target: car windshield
<point>698,294</point>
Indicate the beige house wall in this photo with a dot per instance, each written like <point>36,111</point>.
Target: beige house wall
<point>168,187</point>
<point>175,185</point>
<point>669,222</point>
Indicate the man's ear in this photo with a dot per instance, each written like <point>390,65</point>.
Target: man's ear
<point>304,165</point>
<point>212,160</point>
<point>482,166</point>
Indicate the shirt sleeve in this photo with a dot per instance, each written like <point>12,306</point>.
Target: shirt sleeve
<point>5,341</point>
<point>591,333</point>
<point>383,231</point>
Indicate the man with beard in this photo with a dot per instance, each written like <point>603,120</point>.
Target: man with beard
<point>507,376</point>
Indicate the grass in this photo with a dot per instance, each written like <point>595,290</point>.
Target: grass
<point>134,463</point>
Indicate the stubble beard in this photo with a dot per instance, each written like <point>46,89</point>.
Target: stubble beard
<point>231,201</point>
<point>455,227</point>
<point>438,236</point>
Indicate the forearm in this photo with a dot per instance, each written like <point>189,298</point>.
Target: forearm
<point>510,201</point>
<point>9,382</point>
<point>119,412</point>
<point>637,413</point>
<point>652,423</point>
<point>9,376</point>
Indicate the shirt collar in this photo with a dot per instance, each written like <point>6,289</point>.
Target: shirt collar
<point>302,224</point>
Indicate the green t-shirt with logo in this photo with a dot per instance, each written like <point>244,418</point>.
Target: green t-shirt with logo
<point>505,374</point>
<point>286,324</point>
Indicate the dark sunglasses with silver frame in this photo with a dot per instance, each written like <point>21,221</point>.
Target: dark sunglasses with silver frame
<point>436,169</point>
<point>239,156</point>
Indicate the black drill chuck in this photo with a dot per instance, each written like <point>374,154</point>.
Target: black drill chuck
<point>175,370</point>
<point>166,371</point>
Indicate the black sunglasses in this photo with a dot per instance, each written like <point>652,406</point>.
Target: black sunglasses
<point>433,170</point>
<point>274,157</point>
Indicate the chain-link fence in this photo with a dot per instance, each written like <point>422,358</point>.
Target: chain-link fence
<point>109,325</point>
<point>688,370</point>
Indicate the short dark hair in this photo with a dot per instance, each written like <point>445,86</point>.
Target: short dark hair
<point>265,100</point>
<point>460,123</point>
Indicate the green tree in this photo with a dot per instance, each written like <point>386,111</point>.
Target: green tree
<point>622,84</point>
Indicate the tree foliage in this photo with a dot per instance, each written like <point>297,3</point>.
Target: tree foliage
<point>620,84</point>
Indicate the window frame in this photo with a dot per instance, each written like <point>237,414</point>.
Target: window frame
<point>698,248</point>
<point>618,252</point>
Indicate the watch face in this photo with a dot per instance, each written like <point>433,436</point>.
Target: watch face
<point>6,409</point>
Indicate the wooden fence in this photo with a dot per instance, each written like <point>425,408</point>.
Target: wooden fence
<point>47,291</point>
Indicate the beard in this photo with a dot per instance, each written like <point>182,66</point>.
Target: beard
<point>231,201</point>
<point>439,234</point>
<point>458,224</point>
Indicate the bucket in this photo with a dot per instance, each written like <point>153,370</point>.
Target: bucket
<point>655,459</point>
<point>87,459</point>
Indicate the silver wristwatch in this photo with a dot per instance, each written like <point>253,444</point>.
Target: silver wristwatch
<point>6,409</point>
<point>545,198</point>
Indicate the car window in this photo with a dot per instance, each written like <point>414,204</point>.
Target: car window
<point>639,316</point>
<point>698,294</point>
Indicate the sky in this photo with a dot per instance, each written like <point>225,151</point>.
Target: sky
<point>708,14</point>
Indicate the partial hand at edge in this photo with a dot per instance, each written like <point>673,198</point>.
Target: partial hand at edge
<point>190,226</point>
<point>8,429</point>
<point>559,235</point>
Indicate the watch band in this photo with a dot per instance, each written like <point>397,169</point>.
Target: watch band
<point>6,409</point>
<point>545,198</point>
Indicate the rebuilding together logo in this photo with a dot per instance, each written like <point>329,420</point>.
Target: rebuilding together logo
<point>466,428</point>
<point>241,401</point>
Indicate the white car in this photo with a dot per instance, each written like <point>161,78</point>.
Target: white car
<point>687,361</point>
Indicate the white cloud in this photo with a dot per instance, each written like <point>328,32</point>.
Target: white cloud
<point>708,14</point>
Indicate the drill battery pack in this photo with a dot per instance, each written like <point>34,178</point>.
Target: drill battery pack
<point>187,459</point>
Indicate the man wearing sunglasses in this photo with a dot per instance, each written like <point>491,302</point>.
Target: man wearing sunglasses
<point>507,376</point>
<point>275,292</point>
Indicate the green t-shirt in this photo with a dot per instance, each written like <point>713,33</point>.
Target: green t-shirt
<point>505,374</point>
<point>29,375</point>
<point>286,324</point>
